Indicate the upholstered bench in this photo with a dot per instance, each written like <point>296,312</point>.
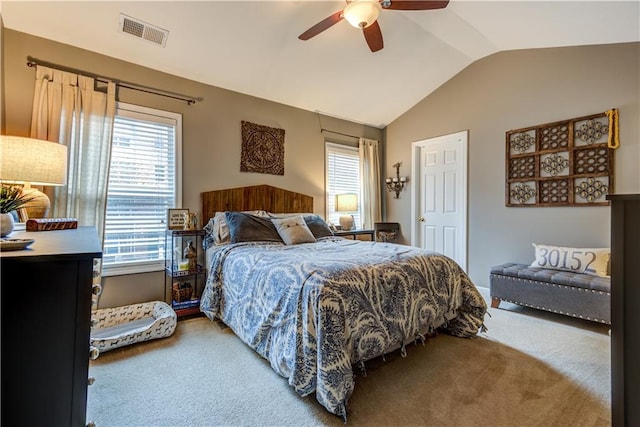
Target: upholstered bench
<point>574,294</point>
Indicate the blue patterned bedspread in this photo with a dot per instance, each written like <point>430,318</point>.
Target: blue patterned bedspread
<point>313,310</point>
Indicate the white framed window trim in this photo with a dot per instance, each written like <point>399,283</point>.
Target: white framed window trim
<point>145,179</point>
<point>342,175</point>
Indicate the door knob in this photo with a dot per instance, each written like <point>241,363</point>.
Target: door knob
<point>421,219</point>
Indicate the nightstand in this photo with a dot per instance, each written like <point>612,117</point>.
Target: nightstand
<point>185,272</point>
<point>355,233</point>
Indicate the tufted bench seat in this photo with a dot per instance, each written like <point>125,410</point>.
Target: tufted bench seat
<point>574,294</point>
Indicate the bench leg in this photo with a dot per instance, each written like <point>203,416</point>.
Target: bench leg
<point>495,302</point>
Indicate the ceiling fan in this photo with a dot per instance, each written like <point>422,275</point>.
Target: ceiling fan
<point>364,14</point>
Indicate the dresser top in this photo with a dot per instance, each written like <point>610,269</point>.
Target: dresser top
<point>623,197</point>
<point>73,242</point>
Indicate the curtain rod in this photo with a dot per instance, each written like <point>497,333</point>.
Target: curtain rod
<point>339,133</point>
<point>32,62</point>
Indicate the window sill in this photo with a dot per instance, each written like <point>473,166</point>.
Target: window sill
<point>132,268</point>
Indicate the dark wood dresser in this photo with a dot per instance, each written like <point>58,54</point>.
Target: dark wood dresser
<point>45,294</point>
<point>625,309</point>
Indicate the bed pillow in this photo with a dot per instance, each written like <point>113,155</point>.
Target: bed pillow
<point>594,261</point>
<point>218,230</point>
<point>293,230</point>
<point>244,227</point>
<point>316,224</point>
<point>209,239</point>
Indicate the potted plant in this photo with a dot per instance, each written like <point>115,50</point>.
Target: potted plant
<point>11,198</point>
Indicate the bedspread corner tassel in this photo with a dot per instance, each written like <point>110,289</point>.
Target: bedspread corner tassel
<point>403,350</point>
<point>483,328</point>
<point>363,368</point>
<point>343,412</point>
<point>420,338</point>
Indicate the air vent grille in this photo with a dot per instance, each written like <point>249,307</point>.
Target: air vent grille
<point>143,30</point>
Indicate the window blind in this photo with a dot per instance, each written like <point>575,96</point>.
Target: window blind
<point>343,176</point>
<point>142,186</point>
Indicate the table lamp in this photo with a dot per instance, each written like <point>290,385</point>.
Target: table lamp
<point>346,203</point>
<point>29,161</point>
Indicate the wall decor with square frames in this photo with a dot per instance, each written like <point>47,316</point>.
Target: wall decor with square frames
<point>566,163</point>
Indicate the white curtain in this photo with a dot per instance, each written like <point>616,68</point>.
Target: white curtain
<point>67,109</point>
<point>370,177</point>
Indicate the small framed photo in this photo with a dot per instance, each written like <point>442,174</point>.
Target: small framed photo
<point>177,218</point>
<point>23,216</point>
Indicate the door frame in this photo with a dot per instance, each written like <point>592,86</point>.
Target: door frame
<point>416,189</point>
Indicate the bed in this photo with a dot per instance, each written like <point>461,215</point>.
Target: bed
<point>318,307</point>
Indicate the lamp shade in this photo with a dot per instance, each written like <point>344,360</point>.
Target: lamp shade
<point>346,203</point>
<point>32,161</point>
<point>362,13</point>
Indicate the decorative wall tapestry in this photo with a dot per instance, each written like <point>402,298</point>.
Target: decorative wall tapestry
<point>262,149</point>
<point>567,163</point>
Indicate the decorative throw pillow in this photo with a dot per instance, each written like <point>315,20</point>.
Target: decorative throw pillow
<point>209,235</point>
<point>293,230</point>
<point>593,261</point>
<point>218,229</point>
<point>244,227</point>
<point>318,226</point>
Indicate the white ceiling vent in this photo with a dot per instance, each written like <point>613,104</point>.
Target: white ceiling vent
<point>142,30</point>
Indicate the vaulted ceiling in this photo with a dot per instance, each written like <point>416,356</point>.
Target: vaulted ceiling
<point>252,47</point>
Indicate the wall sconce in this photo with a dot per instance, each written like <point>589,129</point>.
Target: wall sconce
<point>29,161</point>
<point>397,183</point>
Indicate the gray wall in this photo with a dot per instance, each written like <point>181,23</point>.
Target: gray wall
<point>211,134</point>
<point>1,79</point>
<point>508,90</point>
<point>512,90</point>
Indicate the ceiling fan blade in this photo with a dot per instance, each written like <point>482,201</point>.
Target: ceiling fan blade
<point>416,5</point>
<point>373,36</point>
<point>321,26</point>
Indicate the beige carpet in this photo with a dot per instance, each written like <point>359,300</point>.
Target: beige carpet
<point>529,369</point>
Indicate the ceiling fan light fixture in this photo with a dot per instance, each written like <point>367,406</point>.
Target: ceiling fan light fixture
<point>362,13</point>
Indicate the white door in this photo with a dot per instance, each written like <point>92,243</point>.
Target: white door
<point>439,199</point>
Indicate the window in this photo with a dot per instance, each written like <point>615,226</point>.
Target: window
<point>144,181</point>
<point>343,176</point>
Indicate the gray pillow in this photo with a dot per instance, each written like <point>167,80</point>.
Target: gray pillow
<point>318,227</point>
<point>244,227</point>
<point>293,230</point>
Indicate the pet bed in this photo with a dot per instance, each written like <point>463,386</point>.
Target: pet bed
<point>130,324</point>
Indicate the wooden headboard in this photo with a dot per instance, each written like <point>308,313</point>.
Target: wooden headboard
<point>257,197</point>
